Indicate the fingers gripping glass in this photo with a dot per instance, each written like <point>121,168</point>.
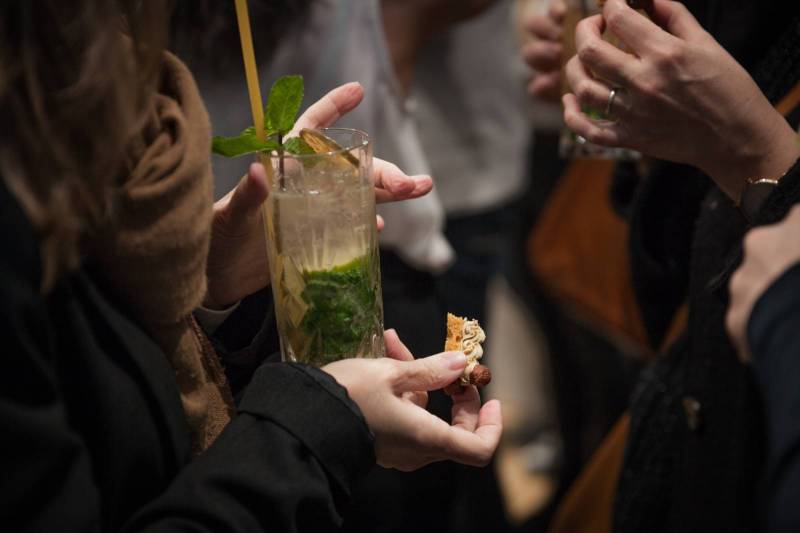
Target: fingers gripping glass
<point>572,145</point>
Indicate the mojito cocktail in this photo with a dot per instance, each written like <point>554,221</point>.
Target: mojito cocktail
<point>323,251</point>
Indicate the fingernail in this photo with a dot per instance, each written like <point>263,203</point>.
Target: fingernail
<point>455,360</point>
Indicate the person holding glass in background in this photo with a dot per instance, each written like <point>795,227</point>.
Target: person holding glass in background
<point>695,451</point>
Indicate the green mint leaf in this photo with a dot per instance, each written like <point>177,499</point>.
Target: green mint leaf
<point>343,309</point>
<point>244,143</point>
<point>284,102</point>
<point>297,146</point>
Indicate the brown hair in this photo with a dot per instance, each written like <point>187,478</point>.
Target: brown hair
<point>74,89</point>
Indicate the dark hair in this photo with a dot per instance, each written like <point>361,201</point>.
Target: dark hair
<point>206,30</point>
<point>76,79</point>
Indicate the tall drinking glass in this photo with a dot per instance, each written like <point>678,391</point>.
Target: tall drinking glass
<point>323,252</point>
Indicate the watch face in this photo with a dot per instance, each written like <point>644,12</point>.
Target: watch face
<point>754,195</point>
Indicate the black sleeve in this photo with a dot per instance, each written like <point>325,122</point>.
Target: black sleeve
<point>785,195</point>
<point>774,336</point>
<point>285,463</point>
<point>247,338</point>
<point>46,473</point>
<point>773,210</point>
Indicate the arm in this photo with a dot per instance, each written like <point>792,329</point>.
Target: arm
<point>285,463</point>
<point>268,471</point>
<point>764,319</point>
<point>679,96</point>
<point>773,334</point>
<point>247,338</point>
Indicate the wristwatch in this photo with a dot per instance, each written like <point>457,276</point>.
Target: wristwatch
<point>755,191</point>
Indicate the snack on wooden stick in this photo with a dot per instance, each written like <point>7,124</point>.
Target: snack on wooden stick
<point>466,336</point>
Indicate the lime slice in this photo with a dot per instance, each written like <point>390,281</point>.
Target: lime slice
<point>322,144</point>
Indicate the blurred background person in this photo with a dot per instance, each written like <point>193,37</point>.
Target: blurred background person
<point>685,230</point>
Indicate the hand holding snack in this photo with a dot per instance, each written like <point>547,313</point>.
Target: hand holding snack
<point>391,393</point>
<point>466,336</point>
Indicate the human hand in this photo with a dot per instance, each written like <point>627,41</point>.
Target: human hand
<point>681,96</point>
<point>768,252</point>
<point>237,261</point>
<point>391,393</point>
<point>391,183</point>
<point>545,54</point>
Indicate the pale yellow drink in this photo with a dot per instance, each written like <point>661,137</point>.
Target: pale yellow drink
<point>323,254</point>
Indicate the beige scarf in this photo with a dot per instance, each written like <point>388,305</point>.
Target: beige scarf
<point>154,258</point>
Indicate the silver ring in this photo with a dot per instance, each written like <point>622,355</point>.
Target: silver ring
<point>611,97</point>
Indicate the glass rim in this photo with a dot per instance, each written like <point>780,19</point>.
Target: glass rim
<point>344,149</point>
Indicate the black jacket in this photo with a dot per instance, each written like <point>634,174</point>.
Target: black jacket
<point>695,455</point>
<point>94,437</point>
<point>774,336</point>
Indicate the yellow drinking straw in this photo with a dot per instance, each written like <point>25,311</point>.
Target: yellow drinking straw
<point>256,104</point>
<point>250,70</point>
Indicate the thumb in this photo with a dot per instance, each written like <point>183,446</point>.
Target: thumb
<point>676,19</point>
<point>245,202</point>
<point>430,373</point>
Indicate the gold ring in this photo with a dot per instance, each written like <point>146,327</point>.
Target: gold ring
<point>611,97</point>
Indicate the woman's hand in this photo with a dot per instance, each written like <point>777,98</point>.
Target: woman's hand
<point>391,183</point>
<point>545,54</point>
<point>680,96</point>
<point>237,261</point>
<point>768,252</point>
<point>392,396</point>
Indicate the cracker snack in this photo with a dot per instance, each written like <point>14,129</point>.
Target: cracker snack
<point>466,336</point>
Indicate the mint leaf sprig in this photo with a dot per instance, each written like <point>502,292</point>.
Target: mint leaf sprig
<point>283,104</point>
<point>245,143</point>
